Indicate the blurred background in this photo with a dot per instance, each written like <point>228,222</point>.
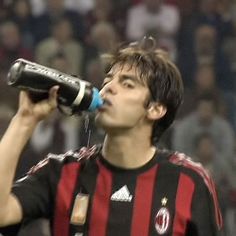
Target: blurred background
<point>69,35</point>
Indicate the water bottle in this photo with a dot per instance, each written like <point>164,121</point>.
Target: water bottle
<point>74,95</point>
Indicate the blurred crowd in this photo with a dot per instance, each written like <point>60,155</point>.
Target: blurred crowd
<point>70,35</point>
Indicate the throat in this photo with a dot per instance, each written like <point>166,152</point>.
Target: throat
<point>127,156</point>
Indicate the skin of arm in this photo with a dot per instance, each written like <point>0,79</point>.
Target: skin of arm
<point>18,133</point>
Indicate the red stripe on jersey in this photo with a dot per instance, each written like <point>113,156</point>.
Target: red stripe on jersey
<point>182,159</point>
<point>101,203</point>
<point>65,192</point>
<point>183,204</point>
<point>143,203</point>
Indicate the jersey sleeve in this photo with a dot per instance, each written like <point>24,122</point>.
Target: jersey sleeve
<point>206,216</point>
<point>35,190</point>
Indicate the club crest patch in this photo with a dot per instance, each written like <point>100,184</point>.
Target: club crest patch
<point>162,220</point>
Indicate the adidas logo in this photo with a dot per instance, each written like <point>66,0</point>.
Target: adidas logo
<point>122,195</point>
<point>78,234</point>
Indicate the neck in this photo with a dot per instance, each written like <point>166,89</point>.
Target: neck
<point>128,151</point>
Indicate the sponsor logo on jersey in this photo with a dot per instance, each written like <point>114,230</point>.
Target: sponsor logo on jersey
<point>122,195</point>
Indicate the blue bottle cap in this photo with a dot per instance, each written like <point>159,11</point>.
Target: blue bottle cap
<point>96,101</point>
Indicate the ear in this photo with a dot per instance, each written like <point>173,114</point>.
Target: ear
<point>156,111</point>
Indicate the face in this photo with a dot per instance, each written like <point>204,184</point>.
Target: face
<point>206,111</point>
<point>10,36</point>
<point>125,97</point>
<point>99,32</point>
<point>22,8</point>
<point>153,5</point>
<point>205,78</point>
<point>205,39</point>
<point>55,5</point>
<point>63,31</point>
<point>205,149</point>
<point>60,64</point>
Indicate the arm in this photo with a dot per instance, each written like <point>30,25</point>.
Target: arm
<point>11,146</point>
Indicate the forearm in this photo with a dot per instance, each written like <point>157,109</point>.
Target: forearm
<point>11,146</point>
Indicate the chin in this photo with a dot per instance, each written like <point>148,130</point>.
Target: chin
<point>103,123</point>
<point>106,124</point>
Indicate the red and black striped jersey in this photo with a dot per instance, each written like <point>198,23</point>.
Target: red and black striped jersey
<point>84,195</point>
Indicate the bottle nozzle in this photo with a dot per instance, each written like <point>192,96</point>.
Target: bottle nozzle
<point>96,101</point>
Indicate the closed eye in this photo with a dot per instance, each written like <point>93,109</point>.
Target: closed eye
<point>128,84</point>
<point>126,81</point>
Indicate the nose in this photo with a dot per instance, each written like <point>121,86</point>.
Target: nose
<point>109,87</point>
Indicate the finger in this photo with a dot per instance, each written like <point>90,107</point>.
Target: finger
<point>54,91</point>
<point>53,94</point>
<point>24,97</point>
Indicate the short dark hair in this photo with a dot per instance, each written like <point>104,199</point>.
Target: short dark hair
<point>156,70</point>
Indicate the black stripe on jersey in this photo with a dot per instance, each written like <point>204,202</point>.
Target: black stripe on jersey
<point>164,195</point>
<point>86,183</point>
<point>122,210</point>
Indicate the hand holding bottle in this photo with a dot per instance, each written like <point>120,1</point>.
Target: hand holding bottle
<point>30,112</point>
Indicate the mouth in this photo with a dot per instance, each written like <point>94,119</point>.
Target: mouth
<point>106,103</point>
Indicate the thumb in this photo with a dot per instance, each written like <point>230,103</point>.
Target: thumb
<point>53,95</point>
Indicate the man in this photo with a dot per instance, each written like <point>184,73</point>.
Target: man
<point>127,186</point>
<point>157,18</point>
<point>205,119</point>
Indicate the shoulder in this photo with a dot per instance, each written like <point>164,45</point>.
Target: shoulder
<point>78,154</point>
<point>194,169</point>
<point>200,176</point>
<point>71,157</point>
<point>184,164</point>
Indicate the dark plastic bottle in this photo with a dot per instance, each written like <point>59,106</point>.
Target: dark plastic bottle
<point>74,95</point>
